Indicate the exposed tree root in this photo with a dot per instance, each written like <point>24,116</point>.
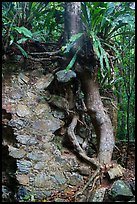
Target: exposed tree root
<point>93,178</point>
<point>99,169</point>
<point>92,161</point>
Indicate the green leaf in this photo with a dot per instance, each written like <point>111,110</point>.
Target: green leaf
<point>75,37</point>
<point>111,8</point>
<point>25,31</point>
<point>22,50</point>
<point>26,197</point>
<point>12,39</point>
<point>85,13</point>
<point>104,79</point>
<point>72,41</point>
<point>117,80</point>
<point>70,65</point>
<point>22,40</point>
<point>99,50</point>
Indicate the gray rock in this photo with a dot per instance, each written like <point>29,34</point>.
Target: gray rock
<point>16,153</point>
<point>59,102</point>
<point>60,160</point>
<point>39,165</point>
<point>50,125</point>
<point>120,191</point>
<point>73,178</point>
<point>22,110</point>
<point>47,193</point>
<point>60,200</point>
<point>38,155</point>
<point>24,166</point>
<point>41,180</point>
<point>81,198</point>
<point>31,96</point>
<point>84,170</point>
<point>65,76</point>
<point>46,139</point>
<point>19,123</point>
<point>98,195</point>
<point>59,178</point>
<point>22,78</point>
<point>41,108</point>
<point>58,114</point>
<point>23,179</point>
<point>115,172</point>
<point>44,81</point>
<point>16,95</point>
<point>26,139</point>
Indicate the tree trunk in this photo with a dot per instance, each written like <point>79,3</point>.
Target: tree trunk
<point>73,23</point>
<point>100,119</point>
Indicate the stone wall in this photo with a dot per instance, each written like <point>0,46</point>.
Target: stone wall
<point>41,165</point>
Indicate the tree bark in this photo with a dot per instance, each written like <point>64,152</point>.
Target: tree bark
<point>72,18</point>
<point>73,23</point>
<point>100,119</point>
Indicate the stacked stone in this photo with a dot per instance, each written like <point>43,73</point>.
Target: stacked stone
<point>40,164</point>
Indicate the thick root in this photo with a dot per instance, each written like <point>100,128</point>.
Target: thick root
<point>92,161</point>
<point>99,169</point>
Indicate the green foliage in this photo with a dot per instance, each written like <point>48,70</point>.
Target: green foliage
<point>99,50</point>
<point>24,53</point>
<point>39,18</point>
<point>126,88</point>
<point>27,35</point>
<point>70,65</point>
<point>23,30</point>
<point>26,197</point>
<point>103,22</point>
